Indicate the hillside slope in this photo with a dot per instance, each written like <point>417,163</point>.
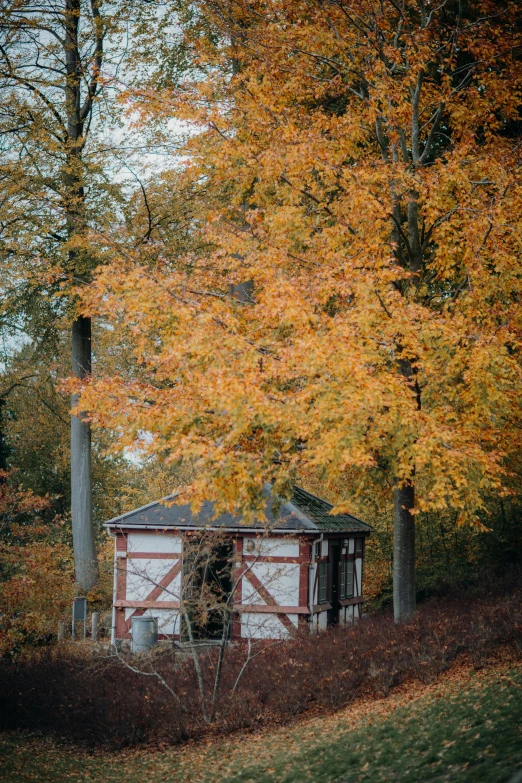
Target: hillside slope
<point>466,727</point>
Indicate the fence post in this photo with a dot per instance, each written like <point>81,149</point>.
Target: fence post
<point>95,628</point>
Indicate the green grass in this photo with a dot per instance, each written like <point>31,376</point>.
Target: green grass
<point>471,731</point>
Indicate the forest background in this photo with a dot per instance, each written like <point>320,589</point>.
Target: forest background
<point>320,283</point>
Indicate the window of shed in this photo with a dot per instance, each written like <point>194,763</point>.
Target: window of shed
<point>323,583</point>
<point>349,578</point>
<point>358,544</point>
<point>342,579</point>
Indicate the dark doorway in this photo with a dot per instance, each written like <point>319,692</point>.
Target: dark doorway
<point>207,587</point>
<point>218,577</point>
<point>335,556</point>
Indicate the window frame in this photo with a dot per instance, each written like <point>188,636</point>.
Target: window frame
<point>350,578</point>
<point>322,582</point>
<point>342,579</point>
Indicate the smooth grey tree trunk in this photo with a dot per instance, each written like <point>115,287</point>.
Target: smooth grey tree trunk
<point>403,552</point>
<point>85,561</point>
<point>79,114</point>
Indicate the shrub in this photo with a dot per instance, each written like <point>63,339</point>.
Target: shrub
<point>36,590</point>
<point>99,701</point>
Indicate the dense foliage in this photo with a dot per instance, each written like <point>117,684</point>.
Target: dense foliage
<point>362,185</point>
<point>36,583</point>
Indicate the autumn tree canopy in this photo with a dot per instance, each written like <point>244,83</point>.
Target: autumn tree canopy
<point>361,169</point>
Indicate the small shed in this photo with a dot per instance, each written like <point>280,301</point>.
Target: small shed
<point>302,569</point>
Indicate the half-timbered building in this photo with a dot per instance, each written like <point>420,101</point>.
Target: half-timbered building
<point>300,567</point>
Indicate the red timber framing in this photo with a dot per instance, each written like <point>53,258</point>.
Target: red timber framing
<point>243,574</point>
<point>123,626</point>
<point>243,571</point>
<point>305,554</point>
<point>357,599</point>
<point>121,583</point>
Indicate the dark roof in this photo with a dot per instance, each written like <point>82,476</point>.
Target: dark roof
<point>305,512</point>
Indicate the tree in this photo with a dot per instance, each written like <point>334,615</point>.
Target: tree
<point>367,163</point>
<point>36,580</point>
<point>59,64</point>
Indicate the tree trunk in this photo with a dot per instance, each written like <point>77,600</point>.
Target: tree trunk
<point>79,114</point>
<point>404,496</point>
<point>403,552</point>
<point>85,561</point>
<point>4,448</point>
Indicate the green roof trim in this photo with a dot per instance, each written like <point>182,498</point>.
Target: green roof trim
<point>318,511</point>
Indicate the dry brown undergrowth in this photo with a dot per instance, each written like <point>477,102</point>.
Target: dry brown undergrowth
<point>221,757</point>
<point>192,761</point>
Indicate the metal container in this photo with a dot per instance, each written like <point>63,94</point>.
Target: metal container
<point>144,633</point>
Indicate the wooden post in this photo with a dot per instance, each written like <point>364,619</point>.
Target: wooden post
<point>95,626</point>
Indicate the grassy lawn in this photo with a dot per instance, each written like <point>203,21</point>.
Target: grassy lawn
<point>468,727</point>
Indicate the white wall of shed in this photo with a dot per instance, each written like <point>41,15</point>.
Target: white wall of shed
<point>272,546</point>
<point>255,625</point>
<point>144,574</point>
<point>280,579</point>
<point>153,542</point>
<point>322,621</point>
<point>358,570</point>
